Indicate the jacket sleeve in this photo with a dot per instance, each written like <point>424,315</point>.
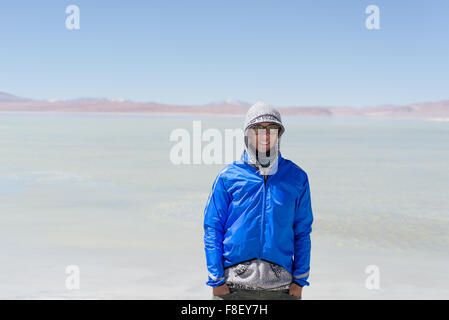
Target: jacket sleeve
<point>302,229</point>
<point>215,216</point>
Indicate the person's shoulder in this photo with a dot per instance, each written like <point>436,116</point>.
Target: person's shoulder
<point>227,175</point>
<point>295,170</point>
<point>227,171</point>
<point>227,168</point>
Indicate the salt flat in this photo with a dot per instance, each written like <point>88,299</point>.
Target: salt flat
<point>99,191</point>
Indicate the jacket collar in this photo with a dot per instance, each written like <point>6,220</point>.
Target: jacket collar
<point>245,159</point>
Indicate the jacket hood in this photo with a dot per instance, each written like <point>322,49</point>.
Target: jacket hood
<point>258,113</point>
<point>263,112</point>
<point>246,159</point>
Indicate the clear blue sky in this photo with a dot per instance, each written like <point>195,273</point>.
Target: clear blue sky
<point>297,52</point>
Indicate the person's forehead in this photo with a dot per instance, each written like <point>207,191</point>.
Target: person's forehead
<point>266,123</point>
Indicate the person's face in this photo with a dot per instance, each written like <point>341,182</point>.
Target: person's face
<point>264,135</point>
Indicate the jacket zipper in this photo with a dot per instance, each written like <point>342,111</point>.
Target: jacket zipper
<point>263,218</point>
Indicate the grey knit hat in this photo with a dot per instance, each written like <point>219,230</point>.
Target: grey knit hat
<point>258,113</point>
<point>263,112</point>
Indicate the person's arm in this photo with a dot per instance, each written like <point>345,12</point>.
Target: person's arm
<point>215,216</point>
<point>302,229</point>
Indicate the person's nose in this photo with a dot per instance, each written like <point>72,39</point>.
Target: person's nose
<point>265,137</point>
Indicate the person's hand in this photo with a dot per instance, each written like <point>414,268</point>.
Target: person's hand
<point>295,290</point>
<point>221,290</point>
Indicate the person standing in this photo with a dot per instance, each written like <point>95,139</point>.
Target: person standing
<point>258,218</point>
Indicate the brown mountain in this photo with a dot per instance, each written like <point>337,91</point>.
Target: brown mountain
<point>11,103</point>
<point>6,97</point>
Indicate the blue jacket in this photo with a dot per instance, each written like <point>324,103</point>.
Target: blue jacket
<point>247,218</point>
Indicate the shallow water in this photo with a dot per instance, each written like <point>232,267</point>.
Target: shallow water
<point>99,191</point>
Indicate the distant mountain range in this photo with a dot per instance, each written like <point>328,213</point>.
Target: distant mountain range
<point>436,110</point>
<point>6,97</point>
